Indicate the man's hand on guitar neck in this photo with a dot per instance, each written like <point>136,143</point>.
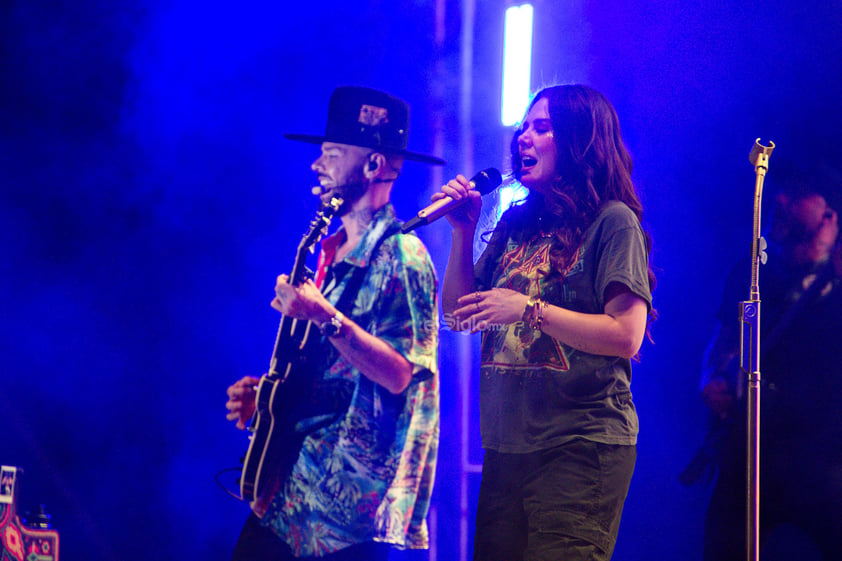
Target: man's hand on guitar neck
<point>241,400</point>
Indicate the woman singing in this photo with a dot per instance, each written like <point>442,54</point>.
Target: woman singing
<point>562,295</point>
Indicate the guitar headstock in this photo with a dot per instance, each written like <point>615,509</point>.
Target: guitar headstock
<point>327,211</point>
<point>321,222</point>
<point>318,228</point>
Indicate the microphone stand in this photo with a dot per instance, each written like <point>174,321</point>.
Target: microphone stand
<point>750,358</point>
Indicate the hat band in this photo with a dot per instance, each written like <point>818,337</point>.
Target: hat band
<point>378,137</point>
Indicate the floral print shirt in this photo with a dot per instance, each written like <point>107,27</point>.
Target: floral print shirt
<point>368,474</point>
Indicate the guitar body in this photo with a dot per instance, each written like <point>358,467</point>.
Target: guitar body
<point>288,393</point>
<point>274,444</point>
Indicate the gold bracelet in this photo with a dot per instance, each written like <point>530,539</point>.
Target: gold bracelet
<point>528,310</point>
<point>540,320</point>
<point>536,317</point>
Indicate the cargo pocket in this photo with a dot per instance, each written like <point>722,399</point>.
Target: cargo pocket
<point>565,525</point>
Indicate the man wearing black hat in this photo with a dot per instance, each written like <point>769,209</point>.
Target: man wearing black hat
<point>362,480</point>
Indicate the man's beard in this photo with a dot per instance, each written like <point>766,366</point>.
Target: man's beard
<point>351,191</point>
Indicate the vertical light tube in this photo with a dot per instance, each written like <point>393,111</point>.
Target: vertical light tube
<point>517,63</point>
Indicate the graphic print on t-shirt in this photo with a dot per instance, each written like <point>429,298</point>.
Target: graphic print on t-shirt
<point>517,347</point>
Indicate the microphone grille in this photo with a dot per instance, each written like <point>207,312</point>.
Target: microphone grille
<point>487,180</point>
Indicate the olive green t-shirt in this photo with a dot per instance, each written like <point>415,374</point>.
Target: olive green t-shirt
<point>535,391</point>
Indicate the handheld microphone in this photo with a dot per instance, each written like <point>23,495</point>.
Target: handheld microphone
<point>485,181</point>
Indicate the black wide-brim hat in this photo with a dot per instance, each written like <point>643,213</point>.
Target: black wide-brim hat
<point>369,118</point>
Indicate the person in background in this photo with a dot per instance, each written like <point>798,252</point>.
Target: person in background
<point>800,345</point>
<point>562,295</point>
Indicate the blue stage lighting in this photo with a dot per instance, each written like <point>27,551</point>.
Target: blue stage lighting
<point>517,62</point>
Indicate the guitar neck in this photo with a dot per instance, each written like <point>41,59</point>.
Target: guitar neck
<point>289,327</point>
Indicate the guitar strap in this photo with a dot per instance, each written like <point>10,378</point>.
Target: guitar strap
<point>358,274</point>
<point>807,296</point>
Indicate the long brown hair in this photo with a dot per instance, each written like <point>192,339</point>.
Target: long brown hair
<point>593,167</point>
